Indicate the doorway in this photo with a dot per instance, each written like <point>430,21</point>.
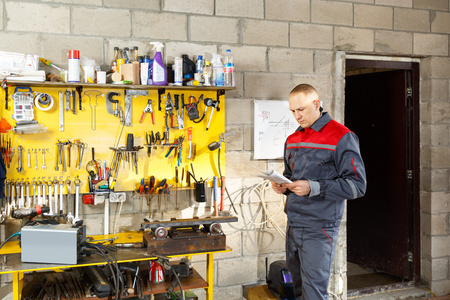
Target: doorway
<point>383,238</point>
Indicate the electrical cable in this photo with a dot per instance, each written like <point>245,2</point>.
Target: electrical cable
<point>18,233</point>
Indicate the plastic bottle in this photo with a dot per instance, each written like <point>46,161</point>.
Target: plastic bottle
<point>228,69</point>
<point>217,70</point>
<point>74,66</point>
<point>207,74</point>
<point>159,72</point>
<point>114,62</point>
<point>136,55</point>
<point>178,71</point>
<point>199,64</point>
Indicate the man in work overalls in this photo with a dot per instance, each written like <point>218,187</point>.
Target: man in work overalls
<point>323,161</point>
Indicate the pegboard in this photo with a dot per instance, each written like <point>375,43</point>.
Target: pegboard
<point>97,128</point>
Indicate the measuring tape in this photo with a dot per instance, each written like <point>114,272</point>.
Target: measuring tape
<point>43,101</point>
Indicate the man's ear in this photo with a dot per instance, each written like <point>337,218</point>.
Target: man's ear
<point>316,103</point>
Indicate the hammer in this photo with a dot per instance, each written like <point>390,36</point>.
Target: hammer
<point>128,268</point>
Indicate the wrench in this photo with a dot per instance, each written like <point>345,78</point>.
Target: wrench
<point>43,159</point>
<point>22,196</point>
<point>39,199</point>
<point>61,195</point>
<point>27,187</point>
<point>29,158</point>
<point>67,93</point>
<point>35,159</point>
<point>7,195</point>
<point>17,201</point>
<point>55,186</point>
<point>44,197</point>
<point>50,205</point>
<point>77,199</point>
<point>34,192</point>
<point>20,168</point>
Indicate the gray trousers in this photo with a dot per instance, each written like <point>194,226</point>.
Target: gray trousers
<point>309,257</point>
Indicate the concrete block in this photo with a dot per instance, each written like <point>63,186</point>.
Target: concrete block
<point>289,10</point>
<point>426,247</point>
<point>174,49</point>
<point>426,269</point>
<point>99,21</point>
<point>166,26</point>
<point>237,159</point>
<point>290,60</point>
<point>227,293</point>
<point>248,138</point>
<point>439,135</point>
<point>439,67</point>
<point>235,141</point>
<point>441,287</point>
<point>411,20</point>
<point>203,7</point>
<point>91,47</point>
<point>77,2</point>
<point>353,39</point>
<point>135,4</point>
<point>440,180</point>
<point>200,267</point>
<point>323,85</point>
<point>262,241</point>
<point>431,44</point>
<point>323,62</point>
<point>432,5</point>
<point>1,16</point>
<point>22,16</point>
<point>236,8</point>
<point>373,16</point>
<point>440,202</point>
<point>439,246</point>
<point>237,271</point>
<point>439,112</point>
<point>238,111</point>
<point>439,224</point>
<point>435,89</point>
<point>397,3</point>
<point>393,42</point>
<point>440,22</point>
<point>20,42</point>
<point>331,12</point>
<point>214,29</point>
<point>267,86</point>
<point>247,58</point>
<point>425,134</point>
<point>440,157</point>
<point>305,36</point>
<point>267,33</point>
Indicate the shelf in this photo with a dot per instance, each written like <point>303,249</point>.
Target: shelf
<point>49,84</point>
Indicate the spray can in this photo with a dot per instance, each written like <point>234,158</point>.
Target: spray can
<point>74,66</point>
<point>178,71</point>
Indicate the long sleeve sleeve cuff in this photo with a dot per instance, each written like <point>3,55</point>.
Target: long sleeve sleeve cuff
<point>315,188</point>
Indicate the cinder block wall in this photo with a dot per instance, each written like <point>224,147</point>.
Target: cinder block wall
<point>277,44</point>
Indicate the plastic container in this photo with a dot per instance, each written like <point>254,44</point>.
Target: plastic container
<point>159,72</point>
<point>217,70</point>
<point>178,71</point>
<point>206,74</point>
<point>188,68</point>
<point>199,64</point>
<point>74,66</point>
<point>228,69</point>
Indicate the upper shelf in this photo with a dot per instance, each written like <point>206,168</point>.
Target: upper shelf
<point>116,86</point>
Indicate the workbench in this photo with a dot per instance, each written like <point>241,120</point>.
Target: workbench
<point>18,269</point>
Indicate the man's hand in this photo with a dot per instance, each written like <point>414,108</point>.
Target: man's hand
<point>278,188</point>
<point>299,187</point>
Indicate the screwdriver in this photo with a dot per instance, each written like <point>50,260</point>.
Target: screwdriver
<point>160,189</point>
<point>141,188</point>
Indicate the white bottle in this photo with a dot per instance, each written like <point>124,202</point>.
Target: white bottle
<point>228,69</point>
<point>217,70</point>
<point>178,71</point>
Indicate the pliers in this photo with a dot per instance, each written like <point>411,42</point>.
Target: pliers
<point>147,109</point>
<point>169,111</point>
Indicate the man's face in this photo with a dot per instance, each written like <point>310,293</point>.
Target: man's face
<point>305,108</point>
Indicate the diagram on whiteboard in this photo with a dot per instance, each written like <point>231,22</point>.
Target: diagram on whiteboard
<point>274,122</point>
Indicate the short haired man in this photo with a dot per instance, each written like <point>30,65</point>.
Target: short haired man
<point>323,161</point>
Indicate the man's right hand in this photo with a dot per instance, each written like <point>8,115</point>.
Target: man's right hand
<point>277,188</point>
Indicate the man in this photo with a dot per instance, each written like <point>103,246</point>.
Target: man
<point>323,161</point>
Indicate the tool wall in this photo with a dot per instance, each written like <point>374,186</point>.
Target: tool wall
<point>93,125</point>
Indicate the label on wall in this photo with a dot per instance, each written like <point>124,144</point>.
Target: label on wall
<point>274,122</point>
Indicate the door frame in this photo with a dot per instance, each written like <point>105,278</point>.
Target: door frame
<point>413,66</point>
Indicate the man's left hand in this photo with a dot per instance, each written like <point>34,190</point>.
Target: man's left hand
<point>299,187</point>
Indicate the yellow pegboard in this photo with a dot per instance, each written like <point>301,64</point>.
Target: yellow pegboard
<point>107,131</point>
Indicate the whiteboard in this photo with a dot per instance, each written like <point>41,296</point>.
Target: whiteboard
<point>274,122</point>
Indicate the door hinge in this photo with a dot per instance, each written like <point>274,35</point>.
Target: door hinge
<point>409,92</point>
<point>409,174</point>
<point>410,256</point>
